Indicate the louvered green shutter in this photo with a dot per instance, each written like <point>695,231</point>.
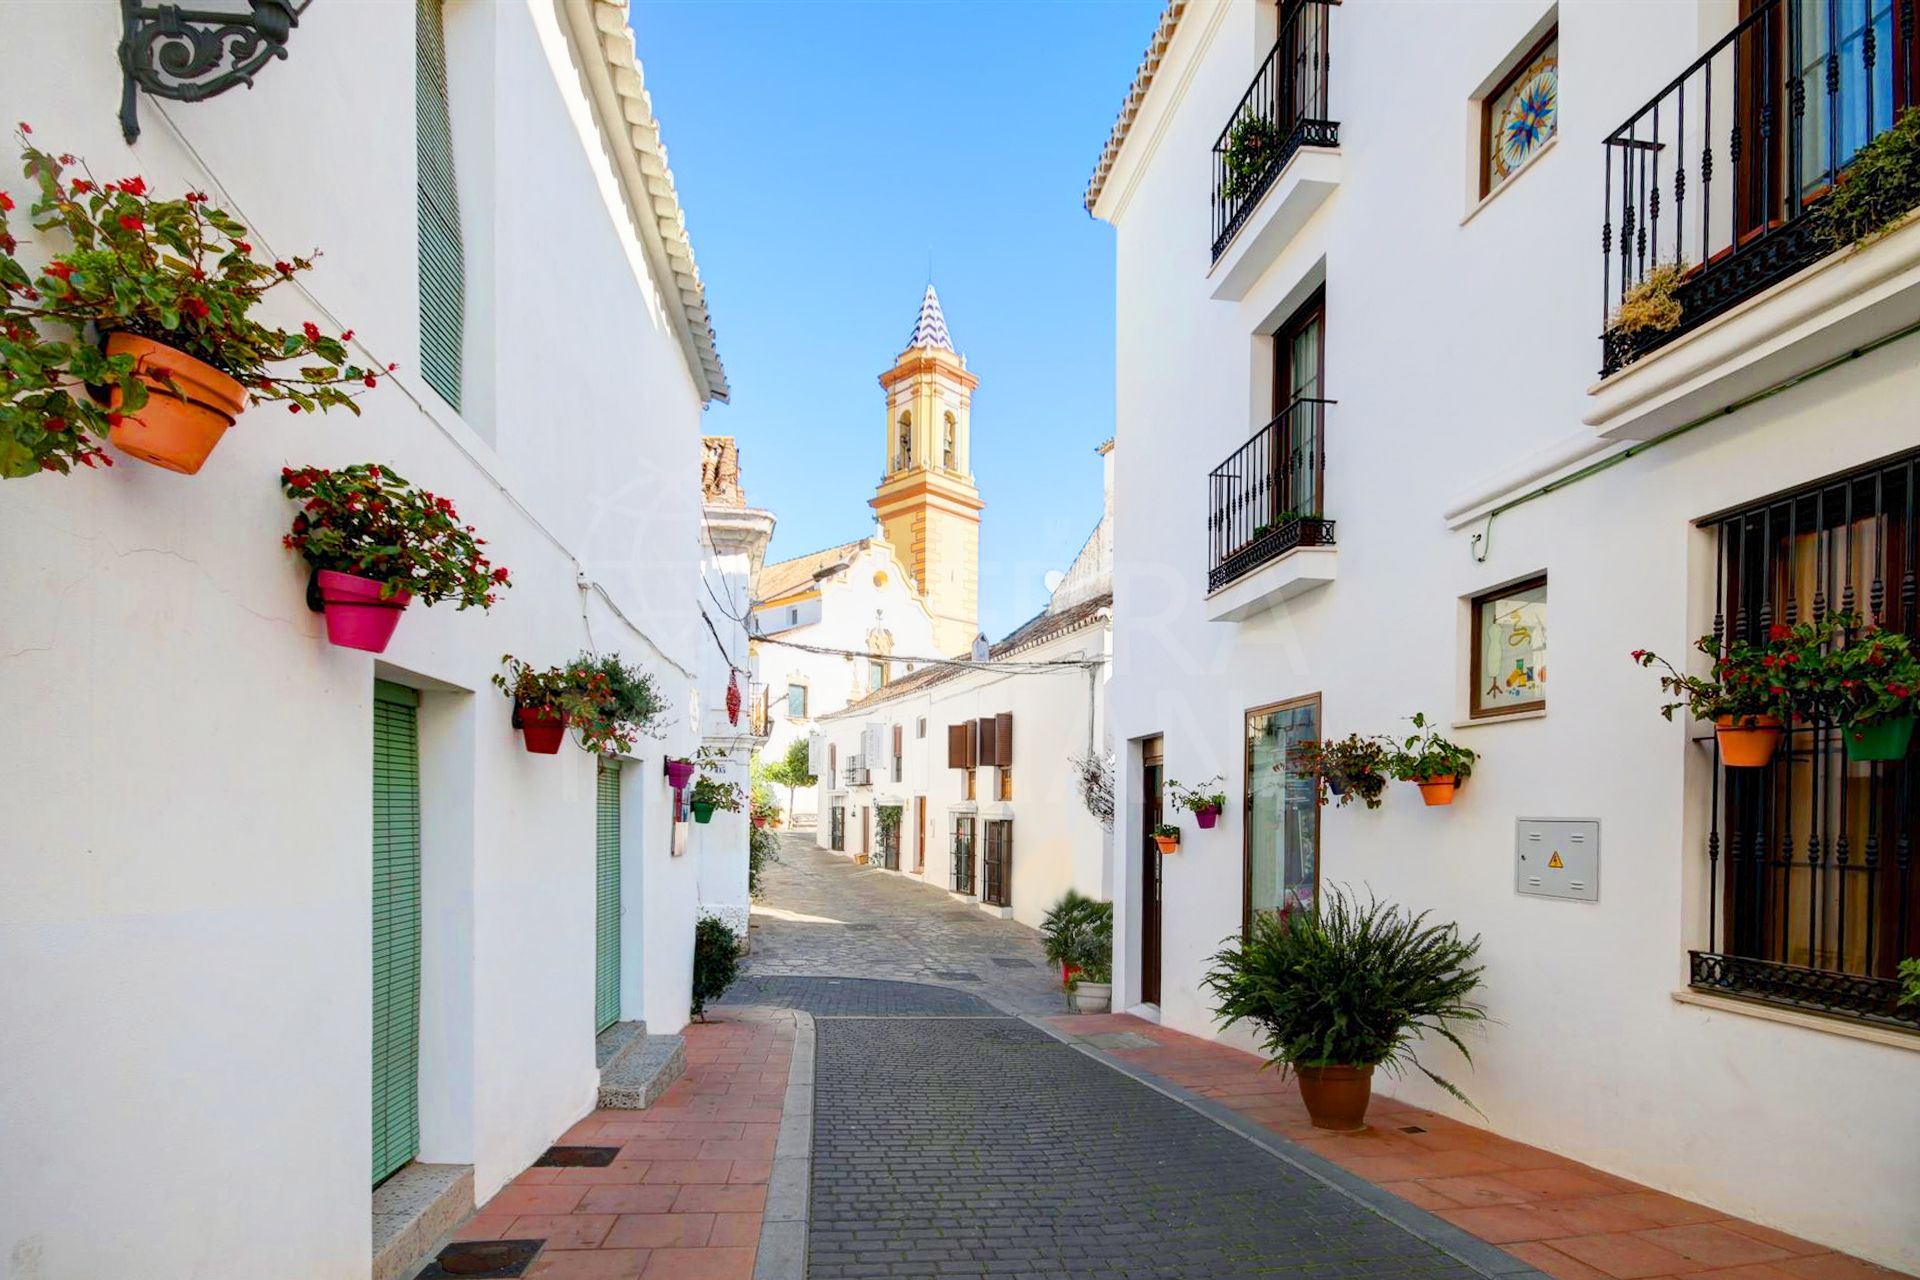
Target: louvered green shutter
<point>443,270</point>
<point>606,986</point>
<point>396,928</point>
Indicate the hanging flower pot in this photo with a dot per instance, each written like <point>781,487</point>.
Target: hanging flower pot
<point>357,616</point>
<point>760,821</point>
<point>542,728</point>
<point>173,429</point>
<point>679,773</point>
<point>1168,839</point>
<point>702,810</point>
<point>1887,740</point>
<point>1747,742</point>
<point>1206,816</point>
<point>1336,1097</point>
<point>1437,791</point>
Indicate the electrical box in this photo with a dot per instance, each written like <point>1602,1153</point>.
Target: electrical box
<point>1557,858</point>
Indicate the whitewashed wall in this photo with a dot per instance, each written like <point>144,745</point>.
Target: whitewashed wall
<point>1456,351</point>
<point>185,869</point>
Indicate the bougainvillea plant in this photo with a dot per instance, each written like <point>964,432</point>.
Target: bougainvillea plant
<point>1747,679</point>
<point>595,708</point>
<point>113,258</point>
<point>368,521</point>
<point>1847,670</point>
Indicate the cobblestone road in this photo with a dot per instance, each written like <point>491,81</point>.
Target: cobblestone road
<point>822,915</point>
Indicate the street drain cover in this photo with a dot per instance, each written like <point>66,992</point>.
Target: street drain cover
<point>577,1158</point>
<point>483,1259</point>
<point>1010,962</point>
<point>955,975</point>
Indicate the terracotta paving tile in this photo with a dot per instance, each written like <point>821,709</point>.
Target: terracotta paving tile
<point>700,1264</point>
<point>1834,1266</point>
<point>589,1264</point>
<point>1713,1245</point>
<point>1556,1183</point>
<point>1752,1271</point>
<point>707,1129</point>
<point>520,1201</point>
<point>734,1229</point>
<point>756,1148</point>
<point>620,1171</point>
<point>1626,1257</point>
<point>662,1230</point>
<point>484,1226</point>
<point>1553,1262</point>
<point>1778,1239</point>
<point>1507,1224</point>
<point>1477,1189</point>
<point>751,1171</point>
<point>629,1199</point>
<point>563,1230</point>
<point>535,1177</point>
<point>689,1171</point>
<point>643,1149</point>
<point>1428,1164</point>
<point>720,1199</point>
<point>1416,1194</point>
<point>1666,1210</point>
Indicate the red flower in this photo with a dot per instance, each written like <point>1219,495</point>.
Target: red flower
<point>25,127</point>
<point>196,197</point>
<point>293,408</point>
<point>59,271</point>
<point>371,381</point>
<point>1775,689</point>
<point>55,424</point>
<point>6,202</point>
<point>128,222</point>
<point>243,246</point>
<point>301,481</point>
<point>114,419</point>
<point>81,186</point>
<point>196,307</point>
<point>134,186</point>
<point>500,575</point>
<point>312,331</point>
<point>284,268</point>
<point>347,336</point>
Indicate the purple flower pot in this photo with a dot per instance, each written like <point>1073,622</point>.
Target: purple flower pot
<point>1207,817</point>
<point>679,773</point>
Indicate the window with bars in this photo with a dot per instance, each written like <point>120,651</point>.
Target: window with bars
<point>998,887</point>
<point>1812,899</point>
<point>443,272</point>
<point>837,832</point>
<point>963,881</point>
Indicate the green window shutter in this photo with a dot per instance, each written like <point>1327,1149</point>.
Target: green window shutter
<point>396,928</point>
<point>443,270</point>
<point>606,985</point>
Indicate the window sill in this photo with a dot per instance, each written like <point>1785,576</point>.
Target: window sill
<point>1515,176</point>
<point>1481,722</point>
<point>1886,1036</point>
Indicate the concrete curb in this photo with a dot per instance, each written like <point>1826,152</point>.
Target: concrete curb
<point>784,1223</point>
<point>1470,1250</point>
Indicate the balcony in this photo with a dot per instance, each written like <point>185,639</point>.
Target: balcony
<point>1260,196</point>
<point>1268,539</point>
<point>1717,195</point>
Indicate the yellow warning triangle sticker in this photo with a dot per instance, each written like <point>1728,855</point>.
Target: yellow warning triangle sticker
<point>1555,862</point>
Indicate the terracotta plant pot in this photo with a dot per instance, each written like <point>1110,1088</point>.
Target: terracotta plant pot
<point>357,618</point>
<point>1887,740</point>
<point>1747,742</point>
<point>1168,844</point>
<point>1336,1096</point>
<point>679,773</point>
<point>542,728</point>
<point>702,810</point>
<point>1439,790</point>
<point>1206,817</point>
<point>173,431</point>
<point>1066,974</point>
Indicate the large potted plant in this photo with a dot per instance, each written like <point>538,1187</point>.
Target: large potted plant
<point>375,544</point>
<point>1858,676</point>
<point>1091,988</point>
<point>1350,768</point>
<point>1062,929</point>
<point>1437,765</point>
<point>1205,806</point>
<point>1746,697</point>
<point>1343,987</point>
<point>151,303</point>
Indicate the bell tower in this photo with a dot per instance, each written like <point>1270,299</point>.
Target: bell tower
<point>926,501</point>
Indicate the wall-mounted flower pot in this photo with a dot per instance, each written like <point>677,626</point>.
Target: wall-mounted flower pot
<point>1336,784</point>
<point>1168,844</point>
<point>702,810</point>
<point>1887,740</point>
<point>760,822</point>
<point>176,432</point>
<point>1747,742</point>
<point>1439,790</point>
<point>357,618</point>
<point>679,773</point>
<point>1092,997</point>
<point>542,728</point>
<point>1336,1096</point>
<point>1206,817</point>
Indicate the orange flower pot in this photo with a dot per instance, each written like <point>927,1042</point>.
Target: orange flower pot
<point>1168,844</point>
<point>173,431</point>
<point>1336,1096</point>
<point>1746,742</point>
<point>1439,790</point>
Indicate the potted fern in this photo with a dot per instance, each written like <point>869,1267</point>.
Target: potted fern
<point>1062,929</point>
<point>1343,987</point>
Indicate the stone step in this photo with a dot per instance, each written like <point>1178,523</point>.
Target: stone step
<point>641,1071</point>
<point>608,1044</point>
<point>413,1212</point>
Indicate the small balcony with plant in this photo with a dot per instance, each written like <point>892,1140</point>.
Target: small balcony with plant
<point>1276,160</point>
<point>1268,537</point>
<point>1759,214</point>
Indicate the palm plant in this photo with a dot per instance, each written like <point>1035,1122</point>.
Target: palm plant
<point>1350,983</point>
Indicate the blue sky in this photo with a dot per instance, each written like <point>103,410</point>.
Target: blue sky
<point>824,153</point>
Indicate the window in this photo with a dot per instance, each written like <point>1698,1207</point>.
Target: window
<point>1003,789</point>
<point>950,445</point>
<point>903,451</point>
<point>1508,669</point>
<point>967,790</point>
<point>1299,400</point>
<point>796,702</point>
<point>443,272</point>
<point>837,830</point>
<point>793,616</point>
<point>1521,115</point>
<point>1283,811</point>
<point>963,854</point>
<point>899,746</point>
<point>997,889</point>
<point>876,674</point>
<point>920,727</point>
<point>1811,901</point>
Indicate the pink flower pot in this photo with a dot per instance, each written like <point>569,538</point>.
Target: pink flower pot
<point>679,773</point>
<point>1206,817</point>
<point>543,728</point>
<point>357,618</point>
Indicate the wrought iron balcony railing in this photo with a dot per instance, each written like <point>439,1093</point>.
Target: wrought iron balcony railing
<point>1265,499</point>
<point>1284,109</point>
<point>1718,182</point>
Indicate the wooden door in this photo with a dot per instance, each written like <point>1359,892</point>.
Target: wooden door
<point>1150,870</point>
<point>998,888</point>
<point>920,836</point>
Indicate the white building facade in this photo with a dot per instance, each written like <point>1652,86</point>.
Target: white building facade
<point>190,907</point>
<point>1364,453</point>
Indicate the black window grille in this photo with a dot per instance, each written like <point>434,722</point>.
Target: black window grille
<point>839,829</point>
<point>1812,899</point>
<point>963,855</point>
<point>998,889</point>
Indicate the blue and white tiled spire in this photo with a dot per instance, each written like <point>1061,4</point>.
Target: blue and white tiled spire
<point>931,329</point>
